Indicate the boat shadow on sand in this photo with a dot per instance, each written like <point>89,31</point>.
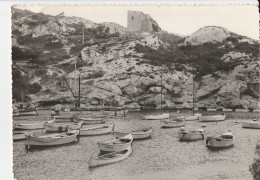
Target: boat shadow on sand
<point>211,149</point>
<point>44,148</point>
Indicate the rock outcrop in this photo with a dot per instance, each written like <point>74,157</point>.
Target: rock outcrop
<point>208,34</point>
<point>114,69</point>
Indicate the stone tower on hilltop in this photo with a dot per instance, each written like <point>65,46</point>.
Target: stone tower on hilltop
<point>137,21</point>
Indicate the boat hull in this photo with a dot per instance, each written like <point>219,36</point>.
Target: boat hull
<point>213,118</point>
<point>51,140</point>
<point>190,136</point>
<point>29,126</point>
<point>27,113</point>
<point>115,145</point>
<point>157,117</point>
<point>192,117</point>
<point>252,125</point>
<point>98,160</point>
<point>136,134</point>
<point>216,143</point>
<point>172,123</point>
<point>88,121</point>
<point>49,127</point>
<point>120,113</point>
<point>96,131</point>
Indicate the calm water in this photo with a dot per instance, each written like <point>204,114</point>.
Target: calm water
<point>160,157</point>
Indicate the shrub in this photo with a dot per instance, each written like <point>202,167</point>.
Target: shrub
<point>34,88</point>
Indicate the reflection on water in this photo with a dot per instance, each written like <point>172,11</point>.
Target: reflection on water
<point>161,157</point>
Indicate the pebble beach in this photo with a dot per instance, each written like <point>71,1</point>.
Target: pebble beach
<point>161,157</point>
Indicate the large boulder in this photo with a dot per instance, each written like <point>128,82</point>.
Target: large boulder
<point>208,34</point>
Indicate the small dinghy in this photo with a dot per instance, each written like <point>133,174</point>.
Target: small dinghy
<point>98,159</point>
<point>185,135</point>
<point>25,113</point>
<point>173,123</point>
<point>115,113</point>
<point>90,120</point>
<point>157,117</point>
<point>212,118</point>
<point>254,124</point>
<point>29,126</point>
<point>192,117</point>
<point>51,139</point>
<point>20,135</point>
<point>97,130</point>
<point>137,134</point>
<point>57,127</point>
<point>223,141</point>
<point>116,144</point>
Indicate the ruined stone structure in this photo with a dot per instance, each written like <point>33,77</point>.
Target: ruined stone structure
<point>137,21</point>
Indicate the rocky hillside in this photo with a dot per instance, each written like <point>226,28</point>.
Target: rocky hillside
<point>125,69</point>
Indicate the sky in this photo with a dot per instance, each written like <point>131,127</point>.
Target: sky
<point>184,20</point>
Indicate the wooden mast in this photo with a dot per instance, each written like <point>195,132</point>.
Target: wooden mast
<point>193,95</point>
<point>161,90</point>
<point>79,92</point>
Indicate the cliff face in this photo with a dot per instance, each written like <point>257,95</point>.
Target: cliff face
<point>125,69</point>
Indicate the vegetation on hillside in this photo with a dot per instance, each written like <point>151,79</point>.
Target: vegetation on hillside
<point>18,54</point>
<point>21,84</point>
<point>205,59</point>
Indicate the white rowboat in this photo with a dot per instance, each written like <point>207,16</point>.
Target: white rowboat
<point>227,110</point>
<point>52,139</point>
<point>255,124</point>
<point>223,141</point>
<point>157,117</point>
<point>90,120</point>
<point>29,126</point>
<point>57,127</point>
<point>25,113</point>
<point>97,130</point>
<point>192,117</point>
<point>98,159</point>
<point>184,135</point>
<point>212,118</point>
<point>120,113</point>
<point>137,134</point>
<point>241,110</point>
<point>116,145</point>
<point>173,123</point>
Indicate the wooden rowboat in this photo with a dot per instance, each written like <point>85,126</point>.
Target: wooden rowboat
<point>254,124</point>
<point>192,117</point>
<point>25,113</point>
<point>116,144</point>
<point>173,123</point>
<point>137,134</point>
<point>185,135</point>
<point>51,139</point>
<point>116,113</point>
<point>29,126</point>
<point>223,141</point>
<point>90,120</point>
<point>157,117</point>
<point>97,130</point>
<point>98,159</point>
<point>20,135</point>
<point>57,127</point>
<point>212,118</point>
